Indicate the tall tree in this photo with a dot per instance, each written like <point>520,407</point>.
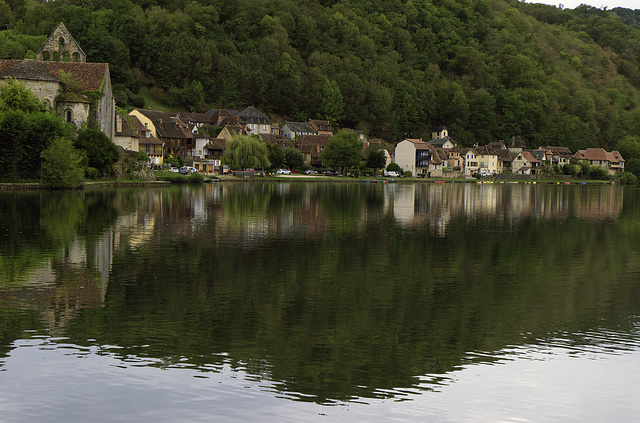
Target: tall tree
<point>332,107</point>
<point>376,160</point>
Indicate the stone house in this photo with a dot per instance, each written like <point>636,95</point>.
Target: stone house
<point>75,90</point>
<point>558,156</point>
<point>124,135</point>
<point>311,147</point>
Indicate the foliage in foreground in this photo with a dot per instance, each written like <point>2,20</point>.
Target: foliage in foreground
<point>177,178</point>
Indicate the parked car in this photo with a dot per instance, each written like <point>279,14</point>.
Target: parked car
<point>391,173</point>
<point>328,173</point>
<point>187,170</point>
<point>283,172</point>
<point>310,172</point>
<point>483,174</point>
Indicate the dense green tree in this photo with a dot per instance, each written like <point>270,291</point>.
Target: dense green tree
<point>395,167</point>
<point>100,151</point>
<point>376,160</point>
<point>62,164</point>
<point>12,141</point>
<point>276,156</point>
<point>246,152</point>
<point>332,107</point>
<point>391,69</point>
<point>629,147</point>
<point>633,166</point>
<point>293,158</point>
<point>343,150</point>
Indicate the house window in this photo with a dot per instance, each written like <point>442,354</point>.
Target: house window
<point>68,116</point>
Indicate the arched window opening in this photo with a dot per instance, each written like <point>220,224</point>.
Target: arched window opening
<point>76,57</point>
<point>46,56</point>
<point>68,116</point>
<point>61,43</point>
<point>56,56</point>
<point>66,57</point>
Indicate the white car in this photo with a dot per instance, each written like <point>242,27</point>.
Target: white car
<point>283,172</point>
<point>391,173</point>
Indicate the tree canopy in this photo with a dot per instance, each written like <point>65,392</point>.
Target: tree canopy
<point>487,69</point>
<point>343,150</point>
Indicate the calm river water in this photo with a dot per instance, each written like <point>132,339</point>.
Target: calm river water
<point>321,302</point>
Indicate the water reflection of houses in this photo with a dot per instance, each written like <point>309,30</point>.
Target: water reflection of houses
<point>436,205</point>
<point>78,277</point>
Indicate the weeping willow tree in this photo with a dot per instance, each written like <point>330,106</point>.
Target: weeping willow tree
<point>246,152</point>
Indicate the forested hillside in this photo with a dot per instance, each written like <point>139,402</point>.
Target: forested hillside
<point>487,69</point>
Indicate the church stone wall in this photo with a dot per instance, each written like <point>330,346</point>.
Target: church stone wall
<point>61,47</point>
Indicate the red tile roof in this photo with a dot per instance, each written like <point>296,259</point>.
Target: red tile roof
<point>90,76</point>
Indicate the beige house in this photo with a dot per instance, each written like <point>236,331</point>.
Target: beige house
<point>230,131</point>
<point>469,162</point>
<point>255,122</point>
<point>488,160</point>
<point>168,128</point>
<point>419,158</point>
<point>148,143</point>
<point>125,136</point>
<point>559,156</point>
<point>611,161</point>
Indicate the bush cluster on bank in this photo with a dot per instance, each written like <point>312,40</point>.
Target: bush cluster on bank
<point>177,178</point>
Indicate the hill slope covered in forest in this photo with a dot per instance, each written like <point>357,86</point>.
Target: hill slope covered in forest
<point>487,69</point>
